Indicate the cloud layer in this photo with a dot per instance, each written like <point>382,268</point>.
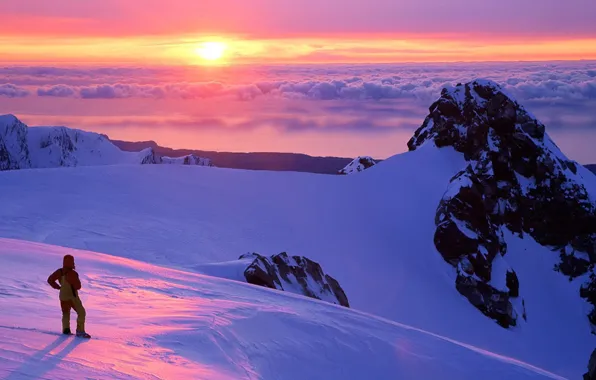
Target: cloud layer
<point>551,81</point>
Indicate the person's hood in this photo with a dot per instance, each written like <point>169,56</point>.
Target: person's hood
<point>68,262</point>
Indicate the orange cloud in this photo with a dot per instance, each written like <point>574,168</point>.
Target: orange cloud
<point>178,50</point>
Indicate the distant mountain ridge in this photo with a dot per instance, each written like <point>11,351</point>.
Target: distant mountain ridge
<point>252,161</point>
<point>274,161</point>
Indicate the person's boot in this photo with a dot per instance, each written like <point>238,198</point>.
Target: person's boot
<point>66,332</point>
<point>82,334</point>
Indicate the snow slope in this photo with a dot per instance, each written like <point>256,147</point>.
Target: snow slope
<point>151,322</point>
<point>380,249</point>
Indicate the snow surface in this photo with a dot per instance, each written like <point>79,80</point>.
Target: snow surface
<point>380,250</point>
<point>151,322</point>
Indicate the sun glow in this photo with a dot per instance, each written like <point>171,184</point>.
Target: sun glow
<point>212,50</point>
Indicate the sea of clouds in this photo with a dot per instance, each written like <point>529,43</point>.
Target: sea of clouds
<point>388,100</point>
<point>553,81</point>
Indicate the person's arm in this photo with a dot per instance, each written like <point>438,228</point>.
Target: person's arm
<point>73,278</point>
<point>53,278</point>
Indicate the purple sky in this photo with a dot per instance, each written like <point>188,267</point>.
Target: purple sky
<point>275,18</point>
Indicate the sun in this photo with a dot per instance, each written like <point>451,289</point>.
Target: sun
<point>212,50</point>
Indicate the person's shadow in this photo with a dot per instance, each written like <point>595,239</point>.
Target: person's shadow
<point>41,362</point>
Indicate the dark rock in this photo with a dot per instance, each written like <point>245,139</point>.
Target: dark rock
<point>359,164</point>
<point>490,301</point>
<point>591,374</point>
<point>191,159</point>
<point>296,272</point>
<point>572,266</point>
<point>149,157</point>
<point>513,180</point>
<point>512,283</point>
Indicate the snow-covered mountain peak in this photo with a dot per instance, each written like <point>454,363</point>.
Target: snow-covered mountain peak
<point>8,119</point>
<point>516,179</point>
<point>478,116</point>
<point>359,164</point>
<point>14,151</point>
<point>22,147</point>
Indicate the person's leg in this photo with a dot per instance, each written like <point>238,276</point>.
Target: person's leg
<point>65,306</point>
<point>81,314</point>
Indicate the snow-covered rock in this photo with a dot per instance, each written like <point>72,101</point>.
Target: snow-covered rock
<point>50,147</point>
<point>358,164</point>
<point>148,157</point>
<point>516,179</point>
<point>295,274</point>
<point>14,152</point>
<point>191,159</point>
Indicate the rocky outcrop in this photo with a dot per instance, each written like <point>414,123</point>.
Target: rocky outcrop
<point>359,164</point>
<point>57,146</point>
<point>14,150</point>
<point>516,178</point>
<point>591,374</point>
<point>190,159</point>
<point>296,274</point>
<point>149,157</point>
<point>591,168</point>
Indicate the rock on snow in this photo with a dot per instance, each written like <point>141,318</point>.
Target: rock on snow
<point>358,164</point>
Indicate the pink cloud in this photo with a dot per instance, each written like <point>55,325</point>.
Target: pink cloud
<point>275,18</point>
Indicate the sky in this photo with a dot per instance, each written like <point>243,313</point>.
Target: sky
<point>329,77</point>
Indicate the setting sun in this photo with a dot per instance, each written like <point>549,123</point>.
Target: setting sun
<point>211,51</point>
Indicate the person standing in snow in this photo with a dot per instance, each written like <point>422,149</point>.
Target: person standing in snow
<point>69,296</point>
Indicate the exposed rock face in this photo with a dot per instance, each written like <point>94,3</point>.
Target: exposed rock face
<point>295,274</point>
<point>358,164</point>
<point>14,151</point>
<point>517,179</point>
<point>190,159</point>
<point>57,146</point>
<point>591,374</point>
<point>149,157</point>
